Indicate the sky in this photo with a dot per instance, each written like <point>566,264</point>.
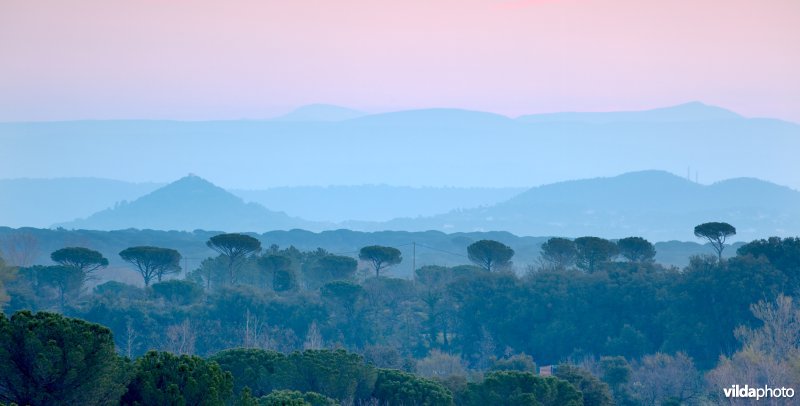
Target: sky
<point>200,60</point>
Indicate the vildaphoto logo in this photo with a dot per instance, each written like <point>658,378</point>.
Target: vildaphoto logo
<point>736,391</point>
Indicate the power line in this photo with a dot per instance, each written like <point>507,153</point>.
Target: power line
<point>444,251</point>
<point>356,252</point>
<point>344,253</point>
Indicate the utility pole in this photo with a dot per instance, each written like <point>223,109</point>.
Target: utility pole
<point>413,257</point>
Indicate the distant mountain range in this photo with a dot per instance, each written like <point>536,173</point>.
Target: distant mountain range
<point>325,145</point>
<point>653,204</point>
<point>321,112</point>
<point>688,112</point>
<point>322,144</point>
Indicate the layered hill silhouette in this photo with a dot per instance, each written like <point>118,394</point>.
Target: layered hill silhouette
<point>654,204</point>
<point>329,145</point>
<point>44,202</point>
<point>322,146</point>
<point>320,112</point>
<point>373,202</point>
<point>187,204</point>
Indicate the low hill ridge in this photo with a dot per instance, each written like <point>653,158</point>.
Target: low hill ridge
<point>653,204</point>
<point>187,204</point>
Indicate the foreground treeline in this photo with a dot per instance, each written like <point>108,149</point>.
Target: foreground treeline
<point>49,359</point>
<point>652,334</point>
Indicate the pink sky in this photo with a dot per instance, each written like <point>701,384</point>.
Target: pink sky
<point>256,59</point>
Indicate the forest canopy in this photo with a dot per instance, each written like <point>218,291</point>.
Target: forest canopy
<point>596,321</point>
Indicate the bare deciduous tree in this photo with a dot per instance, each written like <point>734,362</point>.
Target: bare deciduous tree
<point>180,338</point>
<point>440,365</point>
<point>779,336</point>
<point>255,332</point>
<point>313,338</point>
<point>19,249</point>
<point>130,338</point>
<point>768,355</point>
<point>659,377</point>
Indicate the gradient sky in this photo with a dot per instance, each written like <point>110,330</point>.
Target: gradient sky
<point>255,59</point>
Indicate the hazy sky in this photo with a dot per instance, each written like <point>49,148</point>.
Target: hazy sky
<point>234,59</point>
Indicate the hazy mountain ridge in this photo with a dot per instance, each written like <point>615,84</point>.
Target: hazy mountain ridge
<point>654,204</point>
<point>413,147</point>
<point>320,112</point>
<point>437,118</point>
<point>693,111</point>
<point>44,202</point>
<point>373,202</point>
<point>370,149</point>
